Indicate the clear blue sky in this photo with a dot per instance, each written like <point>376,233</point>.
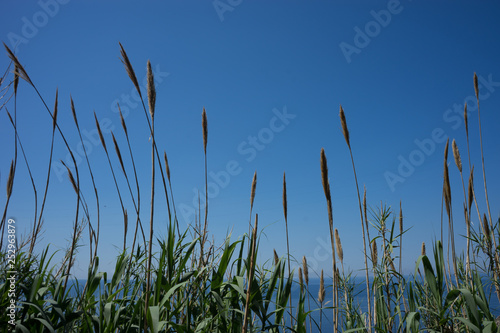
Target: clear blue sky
<point>401,70</point>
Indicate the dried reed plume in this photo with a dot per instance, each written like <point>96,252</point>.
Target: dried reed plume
<point>10,180</point>
<point>151,90</point>
<point>166,165</point>
<point>324,175</point>
<point>344,126</point>
<point>340,252</point>
<point>19,69</point>
<point>446,185</point>
<point>16,78</point>
<point>487,232</point>
<point>101,137</point>
<point>205,129</point>
<point>122,120</point>
<point>252,198</point>
<point>301,280</point>
<point>476,86</point>
<point>118,153</point>
<point>423,249</point>
<point>129,69</point>
<point>456,155</point>
<point>252,191</point>
<point>306,278</point>
<point>71,178</point>
<point>306,270</point>
<point>321,291</point>
<point>471,188</point>
<point>285,210</point>
<point>374,253</point>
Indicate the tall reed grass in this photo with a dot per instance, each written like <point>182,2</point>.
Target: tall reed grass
<point>191,285</point>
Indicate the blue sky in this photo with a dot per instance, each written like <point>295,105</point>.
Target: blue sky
<point>271,76</point>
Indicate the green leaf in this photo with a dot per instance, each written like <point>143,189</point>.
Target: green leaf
<point>470,325</point>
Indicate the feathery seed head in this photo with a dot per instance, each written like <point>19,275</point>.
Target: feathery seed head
<point>476,86</point>
<point>118,153</point>
<point>151,90</point>
<point>252,192</point>
<point>205,129</point>
<point>122,120</point>
<point>374,252</point>
<point>284,197</point>
<point>324,175</point>
<point>447,190</point>
<point>301,279</point>
<point>54,115</point>
<point>166,165</point>
<point>344,126</point>
<point>471,188</point>
<point>487,233</point>
<point>306,269</point>
<point>100,133</point>
<point>10,180</point>
<point>129,69</point>
<point>18,68</point>
<point>73,111</point>
<point>340,252</point>
<point>71,178</point>
<point>456,155</point>
<point>321,292</point>
<point>16,78</point>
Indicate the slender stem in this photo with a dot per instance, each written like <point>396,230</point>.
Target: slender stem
<point>150,251</point>
<point>364,242</point>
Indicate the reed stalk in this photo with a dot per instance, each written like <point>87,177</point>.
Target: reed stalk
<point>250,275</point>
<point>321,298</point>
<point>306,278</point>
<point>96,239</point>
<point>496,254</point>
<point>326,189</point>
<point>346,136</point>
<point>152,104</point>
<point>285,212</point>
